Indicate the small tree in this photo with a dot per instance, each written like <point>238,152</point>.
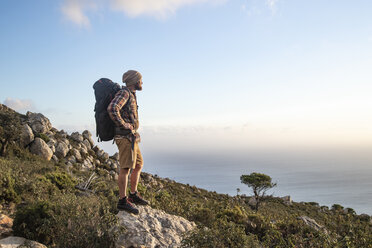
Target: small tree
<point>237,191</point>
<point>259,183</point>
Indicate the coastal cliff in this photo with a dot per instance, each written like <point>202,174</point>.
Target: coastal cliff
<point>60,190</point>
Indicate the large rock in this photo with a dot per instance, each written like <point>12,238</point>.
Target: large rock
<point>77,155</point>
<point>14,242</point>
<point>152,228</point>
<point>39,147</point>
<point>87,135</point>
<point>77,137</point>
<point>286,200</point>
<point>103,155</point>
<point>38,122</point>
<point>87,144</point>
<point>6,225</point>
<point>87,165</point>
<point>27,136</point>
<point>61,150</point>
<point>312,223</point>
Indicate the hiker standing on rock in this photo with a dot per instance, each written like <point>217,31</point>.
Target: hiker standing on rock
<point>123,111</point>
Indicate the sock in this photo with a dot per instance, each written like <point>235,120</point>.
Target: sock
<point>133,193</point>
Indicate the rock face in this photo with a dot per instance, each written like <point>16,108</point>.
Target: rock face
<point>39,147</point>
<point>27,136</point>
<point>287,199</point>
<point>77,137</point>
<point>88,136</point>
<point>61,150</point>
<point>14,242</point>
<point>312,223</point>
<point>152,228</point>
<point>38,122</point>
<point>6,225</point>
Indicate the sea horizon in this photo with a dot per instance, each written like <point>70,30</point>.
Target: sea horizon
<point>326,178</point>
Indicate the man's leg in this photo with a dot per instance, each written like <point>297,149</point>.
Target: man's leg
<point>134,178</point>
<point>123,182</point>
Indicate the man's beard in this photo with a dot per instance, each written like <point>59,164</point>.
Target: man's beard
<point>138,87</point>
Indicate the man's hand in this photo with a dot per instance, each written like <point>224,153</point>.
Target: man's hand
<point>138,137</point>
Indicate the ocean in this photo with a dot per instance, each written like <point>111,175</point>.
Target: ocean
<point>328,177</point>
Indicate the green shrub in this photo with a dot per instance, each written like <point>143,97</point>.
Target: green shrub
<point>7,187</point>
<point>222,234</point>
<point>337,207</point>
<point>202,215</point>
<point>67,221</point>
<point>61,179</point>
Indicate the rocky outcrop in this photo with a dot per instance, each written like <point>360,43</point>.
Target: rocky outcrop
<point>287,199</point>
<point>6,225</point>
<point>39,147</point>
<point>27,136</point>
<point>61,150</point>
<point>75,151</point>
<point>313,224</point>
<point>14,242</point>
<point>38,122</point>
<point>152,228</point>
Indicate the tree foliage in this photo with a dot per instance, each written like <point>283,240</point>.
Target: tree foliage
<point>259,183</point>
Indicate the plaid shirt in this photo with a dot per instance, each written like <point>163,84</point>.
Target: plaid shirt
<point>124,115</point>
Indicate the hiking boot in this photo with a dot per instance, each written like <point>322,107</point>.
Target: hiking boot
<point>125,205</point>
<point>137,199</point>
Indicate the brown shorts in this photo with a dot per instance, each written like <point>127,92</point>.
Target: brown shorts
<point>125,153</point>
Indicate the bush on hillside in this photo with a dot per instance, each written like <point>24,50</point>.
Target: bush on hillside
<point>10,129</point>
<point>67,221</point>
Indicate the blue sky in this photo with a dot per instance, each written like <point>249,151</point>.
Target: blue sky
<point>255,73</point>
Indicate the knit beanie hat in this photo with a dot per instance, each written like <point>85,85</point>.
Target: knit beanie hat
<point>131,77</point>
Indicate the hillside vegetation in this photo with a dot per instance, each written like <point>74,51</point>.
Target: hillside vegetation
<point>70,206</point>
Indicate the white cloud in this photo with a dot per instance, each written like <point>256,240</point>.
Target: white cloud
<point>158,8</point>
<point>272,5</point>
<point>19,105</point>
<point>74,11</point>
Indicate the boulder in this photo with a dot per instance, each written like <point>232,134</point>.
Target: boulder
<point>71,159</point>
<point>75,152</point>
<point>65,140</point>
<point>102,155</point>
<point>88,136</point>
<point>114,165</point>
<point>61,150</point>
<point>313,224</point>
<point>38,122</point>
<point>115,156</point>
<point>27,136</point>
<point>87,144</point>
<point>114,175</point>
<point>51,144</point>
<point>152,228</point>
<point>54,157</point>
<point>287,199</point>
<point>6,225</point>
<point>39,147</point>
<point>62,133</point>
<point>77,137</point>
<point>83,149</point>
<point>87,165</point>
<point>14,242</point>
<point>252,201</point>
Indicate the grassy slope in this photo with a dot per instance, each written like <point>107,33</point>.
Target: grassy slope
<point>42,198</point>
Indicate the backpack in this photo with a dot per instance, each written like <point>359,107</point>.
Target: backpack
<point>104,91</point>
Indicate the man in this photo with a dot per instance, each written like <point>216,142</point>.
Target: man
<point>123,111</point>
